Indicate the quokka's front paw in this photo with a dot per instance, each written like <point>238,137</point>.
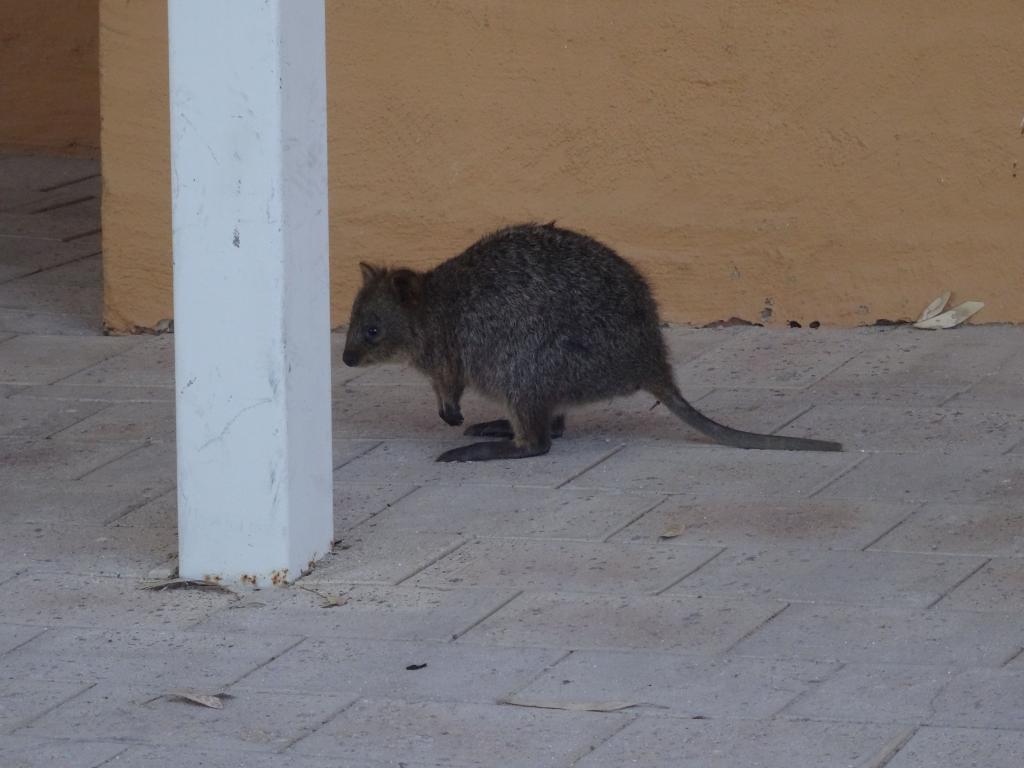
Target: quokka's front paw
<point>450,414</point>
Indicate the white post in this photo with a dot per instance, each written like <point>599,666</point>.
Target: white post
<point>251,315</point>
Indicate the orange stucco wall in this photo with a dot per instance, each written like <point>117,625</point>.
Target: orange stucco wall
<point>49,76</point>
<point>775,161</point>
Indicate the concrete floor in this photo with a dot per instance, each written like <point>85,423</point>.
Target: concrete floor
<point>727,608</point>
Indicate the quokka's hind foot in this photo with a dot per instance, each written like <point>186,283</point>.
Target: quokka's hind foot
<point>532,428</point>
<point>502,428</point>
<point>499,449</point>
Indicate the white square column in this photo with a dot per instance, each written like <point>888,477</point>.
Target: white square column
<point>251,304</point>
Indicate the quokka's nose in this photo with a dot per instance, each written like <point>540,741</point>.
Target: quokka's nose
<point>350,358</point>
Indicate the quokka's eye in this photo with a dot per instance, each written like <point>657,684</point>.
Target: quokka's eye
<point>372,332</point>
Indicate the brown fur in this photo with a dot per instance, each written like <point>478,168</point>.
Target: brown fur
<point>538,318</point>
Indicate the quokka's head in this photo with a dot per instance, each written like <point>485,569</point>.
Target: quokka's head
<point>381,325</point>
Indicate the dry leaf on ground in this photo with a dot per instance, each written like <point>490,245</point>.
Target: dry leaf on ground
<point>573,706</point>
<point>952,318</point>
<point>329,601</point>
<point>209,700</point>
<point>938,304</point>
<point>161,584</point>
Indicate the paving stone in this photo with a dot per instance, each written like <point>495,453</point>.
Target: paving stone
<point>854,634</point>
<point>347,451</point>
<point>906,356</point>
<point>61,225</point>
<point>571,566</point>
<point>638,417</point>
<point>77,199</point>
<point>20,199</point>
<point>765,359</point>
<point>381,559</point>
<point>996,394</point>
<point>980,698</point>
<point>998,389</point>
<point>90,549</point>
<point>395,411</point>
<point>459,734</point>
<point>251,722</point>
<point>168,660</point>
<point>45,359</point>
<point>814,575</point>
<point>84,272</point>
<point>30,462</point>
<point>161,512</point>
<point>64,207</point>
<point>873,693</point>
<point>899,428</point>
<point>377,668</point>
<point>999,586</point>
<point>25,256</point>
<point>869,391</point>
<point>23,700</point>
<point>39,172</point>
<point>386,411</point>
<point>29,752</point>
<point>384,375</point>
<point>942,478</point>
<point>1013,367</point>
<point>677,686</point>
<point>51,324</point>
<point>178,756</point>
<point>596,622</point>
<point>414,461</point>
<point>73,600</point>
<point>399,512</point>
<point>47,226</point>
<point>65,201</point>
<point>102,394</point>
<point>53,299</point>
<point>960,529</point>
<point>22,417</point>
<point>354,503</point>
<point>524,512</point>
<point>66,503</point>
<point>14,635</point>
<point>151,470</point>
<point>149,363</point>
<point>658,742</point>
<point>125,421</point>
<point>705,471</point>
<point>390,613</point>
<point>685,343</point>
<point>961,747</point>
<point>832,523</point>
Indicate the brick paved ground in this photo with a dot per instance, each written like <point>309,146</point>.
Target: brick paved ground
<point>735,608</point>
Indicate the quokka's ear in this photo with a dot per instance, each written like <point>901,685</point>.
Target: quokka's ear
<point>408,286</point>
<point>369,272</point>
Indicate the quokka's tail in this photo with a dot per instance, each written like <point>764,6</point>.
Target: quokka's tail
<point>737,437</point>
